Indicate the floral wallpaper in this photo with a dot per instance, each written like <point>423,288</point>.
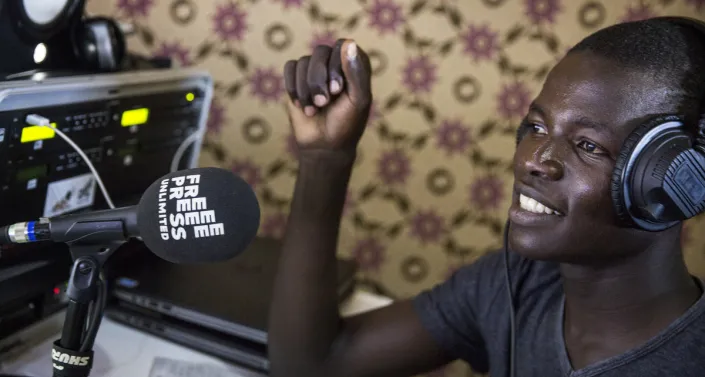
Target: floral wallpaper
<point>452,79</point>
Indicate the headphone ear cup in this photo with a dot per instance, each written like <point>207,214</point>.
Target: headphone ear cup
<point>621,177</point>
<point>99,44</point>
<point>618,198</point>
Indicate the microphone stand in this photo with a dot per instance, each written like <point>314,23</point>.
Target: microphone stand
<point>72,354</point>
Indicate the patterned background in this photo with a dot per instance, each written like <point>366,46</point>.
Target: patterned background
<point>452,78</point>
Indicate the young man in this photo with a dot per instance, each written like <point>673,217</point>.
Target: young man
<point>593,298</point>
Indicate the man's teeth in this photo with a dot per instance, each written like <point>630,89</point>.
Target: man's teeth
<point>532,205</point>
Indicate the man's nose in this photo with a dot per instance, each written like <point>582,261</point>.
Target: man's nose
<point>545,162</point>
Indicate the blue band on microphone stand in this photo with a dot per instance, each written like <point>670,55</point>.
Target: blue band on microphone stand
<point>30,231</point>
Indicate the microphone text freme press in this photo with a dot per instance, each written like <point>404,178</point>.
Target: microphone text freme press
<point>190,216</point>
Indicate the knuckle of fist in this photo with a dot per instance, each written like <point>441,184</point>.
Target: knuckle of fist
<point>321,49</point>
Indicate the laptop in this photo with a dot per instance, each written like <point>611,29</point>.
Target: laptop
<point>231,297</point>
<point>251,355</point>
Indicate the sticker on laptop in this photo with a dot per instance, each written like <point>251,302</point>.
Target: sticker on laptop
<point>69,194</point>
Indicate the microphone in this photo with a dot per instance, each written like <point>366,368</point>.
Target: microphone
<point>199,215</point>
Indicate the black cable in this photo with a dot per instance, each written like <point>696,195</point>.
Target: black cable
<point>512,320</point>
<point>96,315</point>
<point>87,324</point>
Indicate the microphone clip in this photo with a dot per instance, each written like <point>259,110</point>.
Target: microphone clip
<point>100,252</point>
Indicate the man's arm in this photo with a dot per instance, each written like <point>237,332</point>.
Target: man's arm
<point>307,336</point>
<point>329,103</point>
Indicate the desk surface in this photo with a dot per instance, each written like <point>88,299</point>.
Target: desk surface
<point>122,351</point>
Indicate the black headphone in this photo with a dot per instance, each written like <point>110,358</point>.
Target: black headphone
<point>659,176</point>
<point>72,42</point>
<point>99,44</point>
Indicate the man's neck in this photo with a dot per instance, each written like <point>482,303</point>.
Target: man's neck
<point>610,309</point>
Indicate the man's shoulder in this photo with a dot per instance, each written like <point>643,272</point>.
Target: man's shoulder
<point>525,274</point>
<point>467,313</point>
<point>482,284</point>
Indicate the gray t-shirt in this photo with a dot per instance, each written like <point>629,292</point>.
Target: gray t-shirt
<point>469,317</point>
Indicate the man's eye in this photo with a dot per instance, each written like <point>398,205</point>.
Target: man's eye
<point>537,128</point>
<point>590,147</point>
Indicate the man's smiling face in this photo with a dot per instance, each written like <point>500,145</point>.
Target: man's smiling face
<point>562,208</point>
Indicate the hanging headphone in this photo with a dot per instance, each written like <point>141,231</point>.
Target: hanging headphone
<point>99,44</point>
<point>659,176</point>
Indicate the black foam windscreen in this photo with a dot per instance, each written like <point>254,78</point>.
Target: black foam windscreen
<point>198,215</point>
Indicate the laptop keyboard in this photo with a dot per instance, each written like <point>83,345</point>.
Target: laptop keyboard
<point>163,367</point>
